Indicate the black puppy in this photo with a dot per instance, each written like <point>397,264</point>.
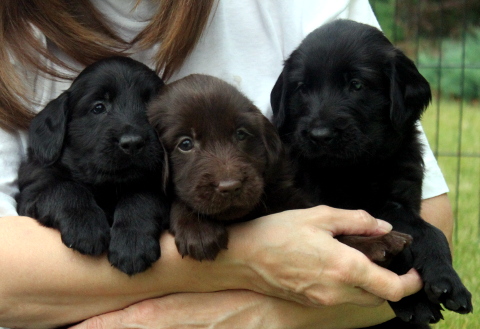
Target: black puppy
<point>94,166</point>
<point>346,105</point>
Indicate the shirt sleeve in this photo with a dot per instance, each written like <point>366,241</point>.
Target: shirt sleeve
<point>11,153</point>
<point>434,183</point>
<point>13,144</point>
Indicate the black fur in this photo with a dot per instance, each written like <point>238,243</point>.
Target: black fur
<point>94,166</point>
<point>346,104</point>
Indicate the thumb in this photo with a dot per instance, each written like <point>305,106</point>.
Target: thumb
<point>350,222</point>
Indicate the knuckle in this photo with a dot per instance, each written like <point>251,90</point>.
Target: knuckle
<point>144,310</point>
<point>324,299</point>
<point>395,294</point>
<point>333,298</point>
<point>392,290</point>
<point>364,217</point>
<point>347,270</point>
<point>376,301</point>
<point>95,323</point>
<point>323,209</point>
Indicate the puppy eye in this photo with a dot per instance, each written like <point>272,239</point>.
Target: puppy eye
<point>185,144</point>
<point>356,85</point>
<point>301,87</point>
<point>242,134</point>
<point>98,108</point>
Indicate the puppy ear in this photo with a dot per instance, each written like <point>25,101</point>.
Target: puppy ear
<point>47,130</point>
<point>166,169</point>
<point>278,99</point>
<point>272,142</point>
<point>410,92</point>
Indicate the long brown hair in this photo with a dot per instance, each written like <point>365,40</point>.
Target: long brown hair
<point>79,30</point>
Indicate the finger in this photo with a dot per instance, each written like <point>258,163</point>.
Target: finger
<point>104,321</point>
<point>350,222</point>
<point>336,296</point>
<point>388,285</point>
<point>363,298</point>
<point>412,282</point>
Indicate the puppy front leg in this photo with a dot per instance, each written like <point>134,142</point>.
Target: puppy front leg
<point>196,235</point>
<point>135,235</point>
<point>70,208</point>
<point>430,255</point>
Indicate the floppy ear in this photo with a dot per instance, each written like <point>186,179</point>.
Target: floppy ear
<point>166,169</point>
<point>278,99</point>
<point>47,130</point>
<point>272,142</point>
<point>154,122</point>
<point>410,92</point>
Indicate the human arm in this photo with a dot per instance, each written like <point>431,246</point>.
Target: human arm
<point>247,309</point>
<point>236,309</point>
<point>438,212</point>
<point>45,284</point>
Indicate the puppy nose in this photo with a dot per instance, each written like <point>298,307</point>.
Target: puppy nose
<point>321,135</point>
<point>131,144</point>
<point>228,186</point>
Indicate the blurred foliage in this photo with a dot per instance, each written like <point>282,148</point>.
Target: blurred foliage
<point>429,19</point>
<point>453,68</point>
<point>444,128</point>
<point>443,36</point>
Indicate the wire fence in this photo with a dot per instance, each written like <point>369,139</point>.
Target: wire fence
<point>452,66</point>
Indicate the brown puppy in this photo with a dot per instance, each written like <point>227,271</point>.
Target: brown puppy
<point>226,164</point>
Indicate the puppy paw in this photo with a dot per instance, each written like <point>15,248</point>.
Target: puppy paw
<point>203,240</point>
<point>444,286</point>
<point>379,249</point>
<point>87,232</point>
<point>417,309</point>
<point>133,252</point>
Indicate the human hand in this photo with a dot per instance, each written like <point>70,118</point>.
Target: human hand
<point>235,309</point>
<point>85,286</point>
<point>232,309</point>
<point>295,256</point>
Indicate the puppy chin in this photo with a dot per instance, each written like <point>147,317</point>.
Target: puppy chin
<point>233,213</point>
<point>227,207</point>
<point>228,210</point>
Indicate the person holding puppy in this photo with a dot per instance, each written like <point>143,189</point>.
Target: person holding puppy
<point>278,269</point>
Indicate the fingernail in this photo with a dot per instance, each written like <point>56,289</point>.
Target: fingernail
<point>384,226</point>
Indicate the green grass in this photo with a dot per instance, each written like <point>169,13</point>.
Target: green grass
<point>447,119</point>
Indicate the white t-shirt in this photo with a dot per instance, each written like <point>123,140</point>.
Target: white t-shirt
<point>245,43</point>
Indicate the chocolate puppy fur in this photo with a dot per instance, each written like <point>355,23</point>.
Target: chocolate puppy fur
<point>227,164</point>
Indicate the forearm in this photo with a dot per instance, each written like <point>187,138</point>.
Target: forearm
<point>237,309</point>
<point>438,212</point>
<point>284,314</point>
<point>292,255</point>
<point>44,283</point>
